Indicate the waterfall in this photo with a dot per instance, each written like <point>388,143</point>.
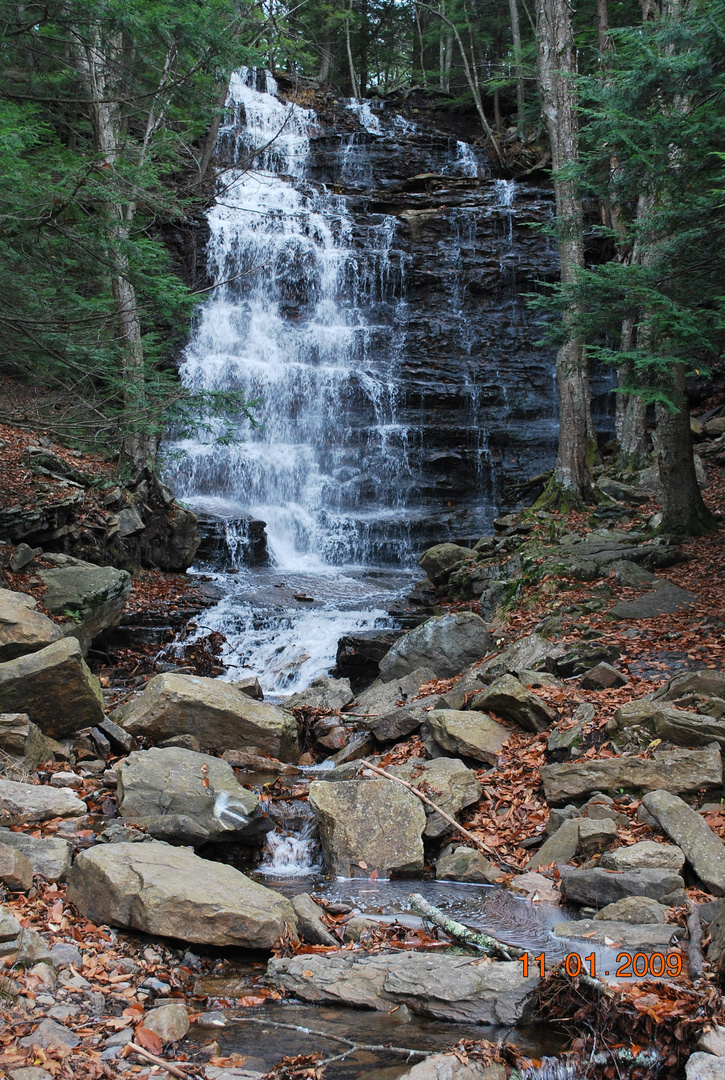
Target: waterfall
<point>290,327</point>
<point>385,390</point>
<point>291,854</point>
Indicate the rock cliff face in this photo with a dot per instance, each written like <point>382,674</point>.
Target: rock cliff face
<point>372,273</point>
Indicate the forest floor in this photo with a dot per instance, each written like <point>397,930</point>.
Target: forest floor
<point>133,972</point>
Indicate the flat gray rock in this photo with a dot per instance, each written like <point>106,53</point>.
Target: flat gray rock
<point>98,595</point>
<point>597,888</point>
<point>369,825</point>
<point>447,781</point>
<point>637,910</point>
<point>468,733</point>
<point>389,709</point>
<point>702,1066</point>
<point>172,785</point>
<point>704,851</point>
<point>665,601</point>
<point>646,855</point>
<point>510,700</point>
<point>450,1067</point>
<point>55,687</point>
<point>670,770</point>
<point>23,803</point>
<point>459,863</point>
<point>164,890</point>
<point>22,628</point>
<point>688,728</point>
<point>323,693</point>
<point>49,1034</point>
<point>458,988</point>
<point>628,936</point>
<point>447,643</point>
<point>216,713</point>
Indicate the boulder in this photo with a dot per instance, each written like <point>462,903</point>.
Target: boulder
<point>509,699</point>
<point>640,910</point>
<point>630,574</point>
<point>688,728</point>
<point>450,1067</point>
<point>578,835</point>
<point>524,655</point>
<point>471,734</point>
<point>22,628</point>
<point>170,1022</point>
<point>96,595</point>
<point>708,682</point>
<point>633,714</point>
<point>22,803</point>
<point>580,658</point>
<point>389,710</point>
<point>323,693</point>
<point>183,797</point>
<point>367,826</point>
<point>50,857</point>
<point>633,937</point>
<point>704,851</point>
<point>646,855</point>
<point>16,871</point>
<point>596,888</point>
<point>671,770</point>
<point>23,740</point>
<point>436,985</point>
<point>447,781</point>
<point>54,687</point>
<point>602,677</point>
<point>220,716</point>
<point>309,921</point>
<point>159,889</point>
<point>447,643</point>
<point>437,562</point>
<point>23,555</point>
<point>664,601</point>
<point>459,863</point>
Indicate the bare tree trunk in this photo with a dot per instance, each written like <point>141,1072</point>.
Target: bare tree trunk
<point>323,73</point>
<point>603,39</point>
<point>557,66</point>
<point>353,77</point>
<point>516,40</point>
<point>99,63</point>
<point>683,511</point>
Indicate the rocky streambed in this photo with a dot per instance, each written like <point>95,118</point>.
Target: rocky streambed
<point>201,856</point>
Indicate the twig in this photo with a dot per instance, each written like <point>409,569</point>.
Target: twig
<point>694,943</point>
<point>429,802</point>
<point>175,1070</point>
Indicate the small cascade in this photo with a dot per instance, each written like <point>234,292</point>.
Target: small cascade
<point>291,854</point>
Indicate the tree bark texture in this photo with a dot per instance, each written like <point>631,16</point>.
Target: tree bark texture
<point>516,41</point>
<point>683,511</point>
<point>557,66</point>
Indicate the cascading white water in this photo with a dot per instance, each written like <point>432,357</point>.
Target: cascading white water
<point>291,854</point>
<point>287,326</point>
<point>373,397</point>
